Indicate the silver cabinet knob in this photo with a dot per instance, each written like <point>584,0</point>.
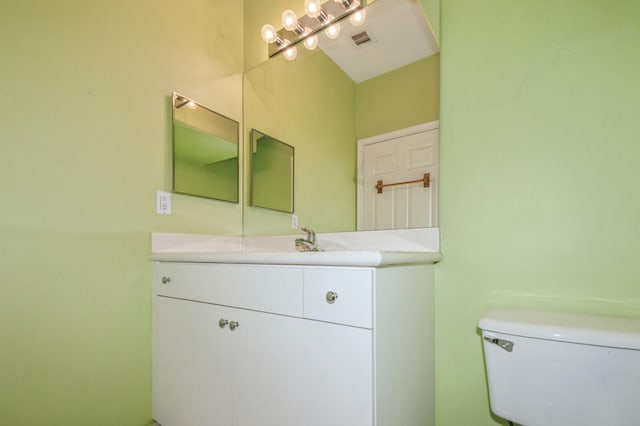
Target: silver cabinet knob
<point>234,324</point>
<point>222,322</point>
<point>331,297</point>
<point>166,280</point>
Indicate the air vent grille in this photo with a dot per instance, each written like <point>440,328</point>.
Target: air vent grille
<point>361,38</point>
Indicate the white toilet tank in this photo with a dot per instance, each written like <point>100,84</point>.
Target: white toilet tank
<point>548,369</point>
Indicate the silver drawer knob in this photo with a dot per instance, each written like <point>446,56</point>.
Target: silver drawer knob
<point>234,324</point>
<point>331,297</point>
<point>166,280</point>
<point>223,322</point>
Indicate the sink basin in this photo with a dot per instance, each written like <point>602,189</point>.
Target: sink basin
<point>323,258</point>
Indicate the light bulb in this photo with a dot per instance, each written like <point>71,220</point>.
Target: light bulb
<point>311,42</point>
<point>358,17</point>
<point>333,31</point>
<point>312,8</point>
<point>269,34</point>
<point>290,53</point>
<point>192,105</point>
<point>289,19</point>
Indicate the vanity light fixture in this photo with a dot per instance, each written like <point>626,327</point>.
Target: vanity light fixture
<point>348,3</point>
<point>358,17</point>
<point>318,17</point>
<point>311,42</point>
<point>290,53</point>
<point>333,30</point>
<point>290,22</point>
<point>270,35</point>
<point>314,10</point>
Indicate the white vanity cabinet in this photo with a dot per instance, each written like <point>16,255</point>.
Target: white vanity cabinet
<point>271,345</point>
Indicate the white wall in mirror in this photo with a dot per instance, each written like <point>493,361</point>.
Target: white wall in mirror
<point>394,30</point>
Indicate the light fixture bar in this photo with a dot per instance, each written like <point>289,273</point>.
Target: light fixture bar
<point>346,3</point>
<point>330,8</point>
<point>323,18</point>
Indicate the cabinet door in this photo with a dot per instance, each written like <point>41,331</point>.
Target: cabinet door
<point>191,364</point>
<point>292,372</point>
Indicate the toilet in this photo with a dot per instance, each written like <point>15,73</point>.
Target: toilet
<point>548,368</point>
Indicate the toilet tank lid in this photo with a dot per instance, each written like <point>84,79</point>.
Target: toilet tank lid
<point>595,330</point>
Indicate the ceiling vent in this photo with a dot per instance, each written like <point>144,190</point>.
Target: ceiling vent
<point>361,38</point>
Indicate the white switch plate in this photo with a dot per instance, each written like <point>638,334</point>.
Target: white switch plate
<point>294,221</point>
<point>163,202</point>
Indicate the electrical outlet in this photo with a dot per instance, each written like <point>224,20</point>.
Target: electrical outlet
<point>294,221</point>
<point>163,202</point>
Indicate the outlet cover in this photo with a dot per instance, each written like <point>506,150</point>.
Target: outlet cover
<point>163,202</point>
<point>294,221</point>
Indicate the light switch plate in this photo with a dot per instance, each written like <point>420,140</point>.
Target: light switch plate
<point>163,202</point>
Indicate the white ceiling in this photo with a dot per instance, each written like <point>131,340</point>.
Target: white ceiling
<point>400,35</point>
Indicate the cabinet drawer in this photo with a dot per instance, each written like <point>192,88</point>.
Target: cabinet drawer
<point>354,291</point>
<point>269,289</point>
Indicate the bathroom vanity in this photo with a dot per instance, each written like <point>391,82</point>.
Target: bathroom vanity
<point>269,344</point>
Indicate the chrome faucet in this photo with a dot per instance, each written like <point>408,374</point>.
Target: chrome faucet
<point>307,244</point>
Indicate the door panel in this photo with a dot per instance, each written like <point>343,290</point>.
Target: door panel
<point>292,372</point>
<point>191,364</point>
<point>395,160</point>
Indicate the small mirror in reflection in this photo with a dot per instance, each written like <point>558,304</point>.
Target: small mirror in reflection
<point>271,173</point>
<point>205,151</point>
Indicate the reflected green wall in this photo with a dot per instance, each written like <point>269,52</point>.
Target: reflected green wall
<point>201,164</point>
<point>398,99</point>
<point>272,167</point>
<point>311,104</point>
<point>218,180</point>
<point>540,162</point>
<point>431,9</point>
<point>85,143</point>
<point>308,103</point>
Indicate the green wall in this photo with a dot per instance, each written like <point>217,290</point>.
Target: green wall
<point>540,163</point>
<point>84,145</point>
<point>398,99</point>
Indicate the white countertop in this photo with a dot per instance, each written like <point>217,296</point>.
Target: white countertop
<point>328,258</point>
<point>369,248</point>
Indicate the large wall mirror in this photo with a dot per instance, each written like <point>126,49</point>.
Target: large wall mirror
<point>272,166</point>
<point>205,151</point>
<point>327,99</point>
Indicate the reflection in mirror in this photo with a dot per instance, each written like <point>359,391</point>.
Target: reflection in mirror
<point>205,151</point>
<point>351,88</point>
<point>271,173</point>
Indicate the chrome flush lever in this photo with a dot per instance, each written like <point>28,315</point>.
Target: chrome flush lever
<point>504,344</point>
